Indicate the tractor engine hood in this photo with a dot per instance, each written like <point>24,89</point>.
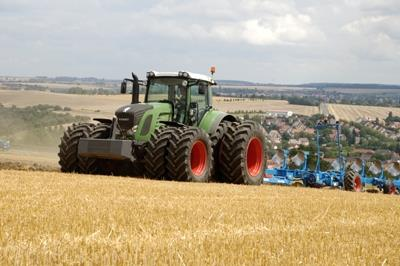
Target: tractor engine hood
<point>130,115</point>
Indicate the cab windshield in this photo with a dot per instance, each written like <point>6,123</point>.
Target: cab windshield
<point>164,89</point>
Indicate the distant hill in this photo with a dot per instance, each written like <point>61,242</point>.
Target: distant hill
<point>225,82</point>
<point>348,86</point>
<point>236,83</point>
<point>320,85</point>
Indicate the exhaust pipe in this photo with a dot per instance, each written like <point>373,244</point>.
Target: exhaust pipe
<point>135,89</point>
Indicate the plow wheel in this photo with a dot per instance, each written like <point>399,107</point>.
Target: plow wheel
<point>242,154</point>
<point>189,155</point>
<point>216,140</point>
<point>156,151</point>
<point>352,181</point>
<point>389,188</point>
<point>68,154</point>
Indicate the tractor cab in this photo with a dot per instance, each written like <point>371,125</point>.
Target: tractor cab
<point>188,94</point>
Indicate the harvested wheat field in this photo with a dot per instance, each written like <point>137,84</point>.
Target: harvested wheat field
<point>233,104</point>
<point>105,105</point>
<point>354,112</point>
<point>53,218</point>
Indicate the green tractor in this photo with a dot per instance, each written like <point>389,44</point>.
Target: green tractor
<point>175,134</point>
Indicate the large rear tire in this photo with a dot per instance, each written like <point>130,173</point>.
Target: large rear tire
<point>70,161</point>
<point>216,141</point>
<point>243,153</point>
<point>189,155</point>
<point>352,181</point>
<point>156,151</point>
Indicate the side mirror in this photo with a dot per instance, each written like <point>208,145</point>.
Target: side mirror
<point>193,110</point>
<point>123,87</point>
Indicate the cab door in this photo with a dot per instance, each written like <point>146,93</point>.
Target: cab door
<point>198,102</point>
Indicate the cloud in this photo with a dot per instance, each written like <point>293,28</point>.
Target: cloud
<point>374,25</point>
<point>375,6</point>
<point>253,22</point>
<point>377,36</point>
<point>262,40</point>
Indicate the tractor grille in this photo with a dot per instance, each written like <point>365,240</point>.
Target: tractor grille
<point>126,121</point>
<point>129,116</point>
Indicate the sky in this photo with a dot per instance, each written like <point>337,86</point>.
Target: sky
<point>280,41</point>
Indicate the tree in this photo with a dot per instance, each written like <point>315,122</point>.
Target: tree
<point>286,136</point>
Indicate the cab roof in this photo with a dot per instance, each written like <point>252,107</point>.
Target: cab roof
<point>182,74</point>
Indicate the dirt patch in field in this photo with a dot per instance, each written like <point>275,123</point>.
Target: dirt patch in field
<point>27,166</point>
<point>30,158</point>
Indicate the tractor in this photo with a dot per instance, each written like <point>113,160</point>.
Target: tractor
<point>175,134</point>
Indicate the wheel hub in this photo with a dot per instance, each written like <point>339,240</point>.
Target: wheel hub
<point>254,156</point>
<point>198,158</point>
<point>357,184</point>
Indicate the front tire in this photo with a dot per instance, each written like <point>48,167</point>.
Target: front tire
<point>70,161</point>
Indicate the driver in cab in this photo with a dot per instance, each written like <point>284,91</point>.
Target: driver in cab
<point>180,104</point>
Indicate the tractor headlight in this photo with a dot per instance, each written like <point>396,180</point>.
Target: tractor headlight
<point>183,74</point>
<point>150,74</point>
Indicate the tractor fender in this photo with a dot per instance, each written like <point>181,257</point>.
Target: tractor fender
<point>212,119</point>
<point>103,120</point>
<point>172,123</point>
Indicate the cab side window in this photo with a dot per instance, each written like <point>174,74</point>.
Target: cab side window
<point>199,95</point>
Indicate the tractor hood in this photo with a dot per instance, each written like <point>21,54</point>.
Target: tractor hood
<point>143,117</point>
<point>130,115</point>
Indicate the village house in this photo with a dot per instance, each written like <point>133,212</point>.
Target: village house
<point>275,137</point>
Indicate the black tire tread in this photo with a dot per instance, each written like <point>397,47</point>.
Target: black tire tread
<point>69,160</point>
<point>389,188</point>
<point>178,153</point>
<point>232,152</point>
<point>155,153</point>
<point>349,180</point>
<point>216,140</point>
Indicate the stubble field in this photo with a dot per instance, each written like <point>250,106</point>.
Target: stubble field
<point>53,218</point>
<point>353,112</point>
<point>105,105</point>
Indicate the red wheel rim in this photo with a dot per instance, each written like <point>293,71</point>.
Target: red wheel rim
<point>357,184</point>
<point>198,158</point>
<point>254,156</point>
